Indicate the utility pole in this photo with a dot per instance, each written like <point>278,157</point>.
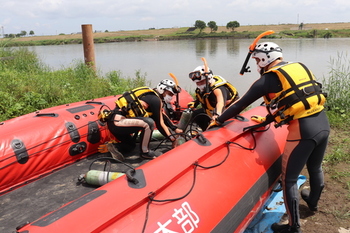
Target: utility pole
<point>298,18</point>
<point>88,44</point>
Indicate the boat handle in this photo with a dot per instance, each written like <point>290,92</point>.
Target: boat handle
<point>94,102</point>
<point>47,114</point>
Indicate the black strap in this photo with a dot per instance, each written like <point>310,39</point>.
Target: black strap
<point>292,99</point>
<point>311,78</point>
<point>133,103</point>
<point>296,89</point>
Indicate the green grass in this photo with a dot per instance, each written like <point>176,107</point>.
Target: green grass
<point>27,85</point>
<point>337,87</point>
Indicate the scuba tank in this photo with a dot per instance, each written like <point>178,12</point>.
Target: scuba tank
<point>99,178</point>
<point>156,135</point>
<point>179,140</point>
<point>185,119</point>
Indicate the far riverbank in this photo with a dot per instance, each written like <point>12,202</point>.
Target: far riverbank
<point>322,30</point>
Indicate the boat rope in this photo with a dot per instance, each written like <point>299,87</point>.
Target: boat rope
<point>108,162</point>
<point>185,135</point>
<point>152,195</point>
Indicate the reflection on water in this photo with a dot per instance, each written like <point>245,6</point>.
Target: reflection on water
<point>225,57</point>
<point>200,47</point>
<point>213,45</point>
<point>232,47</point>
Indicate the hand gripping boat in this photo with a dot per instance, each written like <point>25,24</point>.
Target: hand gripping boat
<point>215,182</point>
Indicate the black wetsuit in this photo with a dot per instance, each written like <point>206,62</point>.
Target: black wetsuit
<point>155,107</point>
<point>306,144</point>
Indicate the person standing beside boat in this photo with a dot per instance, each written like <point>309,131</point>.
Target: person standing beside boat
<point>292,97</point>
<point>214,94</point>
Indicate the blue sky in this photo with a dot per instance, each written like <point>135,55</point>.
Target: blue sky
<point>51,17</point>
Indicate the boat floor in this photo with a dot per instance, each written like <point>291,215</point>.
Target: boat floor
<point>35,199</point>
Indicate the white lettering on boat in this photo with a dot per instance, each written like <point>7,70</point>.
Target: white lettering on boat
<point>184,216</point>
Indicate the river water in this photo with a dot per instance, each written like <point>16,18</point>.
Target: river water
<point>156,59</point>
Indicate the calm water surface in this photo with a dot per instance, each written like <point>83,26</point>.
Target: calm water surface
<point>225,57</point>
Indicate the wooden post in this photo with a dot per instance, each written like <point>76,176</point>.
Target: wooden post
<point>88,43</point>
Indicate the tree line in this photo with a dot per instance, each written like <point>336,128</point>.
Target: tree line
<point>201,25</point>
<point>22,33</point>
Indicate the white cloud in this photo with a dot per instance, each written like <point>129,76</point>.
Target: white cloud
<point>147,19</point>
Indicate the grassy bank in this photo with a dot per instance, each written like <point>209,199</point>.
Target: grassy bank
<point>326,30</point>
<point>28,85</point>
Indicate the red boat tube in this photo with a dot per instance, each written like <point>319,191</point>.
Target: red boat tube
<point>213,183</point>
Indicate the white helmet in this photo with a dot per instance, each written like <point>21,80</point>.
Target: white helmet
<point>168,85</point>
<point>198,74</point>
<point>267,52</point>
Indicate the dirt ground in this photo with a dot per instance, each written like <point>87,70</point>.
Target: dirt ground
<point>333,213</point>
<point>167,31</point>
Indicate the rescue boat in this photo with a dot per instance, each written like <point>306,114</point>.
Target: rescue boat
<point>41,142</point>
<point>215,182</point>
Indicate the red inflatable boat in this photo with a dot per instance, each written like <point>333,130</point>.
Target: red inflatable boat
<point>215,182</point>
<point>39,143</point>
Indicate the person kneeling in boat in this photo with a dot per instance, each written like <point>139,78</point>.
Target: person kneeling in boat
<point>147,102</point>
<point>125,131</point>
<point>293,97</point>
<point>214,94</point>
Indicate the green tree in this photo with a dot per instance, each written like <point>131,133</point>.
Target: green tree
<point>212,25</point>
<point>23,33</point>
<point>200,25</point>
<point>31,33</point>
<point>232,25</point>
